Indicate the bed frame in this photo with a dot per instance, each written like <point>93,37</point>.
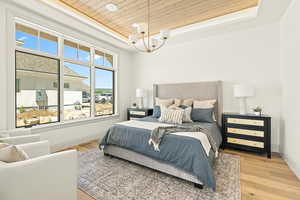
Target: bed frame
<point>199,91</point>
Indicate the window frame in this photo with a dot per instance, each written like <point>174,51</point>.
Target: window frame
<point>60,57</point>
<point>58,92</point>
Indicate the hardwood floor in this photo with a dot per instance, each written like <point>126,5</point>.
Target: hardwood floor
<point>261,178</point>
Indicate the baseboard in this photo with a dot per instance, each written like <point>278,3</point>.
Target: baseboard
<point>292,165</point>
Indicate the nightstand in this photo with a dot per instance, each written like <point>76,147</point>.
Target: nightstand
<point>136,113</point>
<point>247,132</point>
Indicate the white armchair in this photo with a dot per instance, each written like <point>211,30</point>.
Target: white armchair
<point>44,176</point>
<point>18,136</point>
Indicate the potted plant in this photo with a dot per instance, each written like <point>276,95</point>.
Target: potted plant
<point>257,110</point>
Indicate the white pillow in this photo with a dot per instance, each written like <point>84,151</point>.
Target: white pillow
<point>204,104</point>
<point>163,102</point>
<point>2,145</point>
<point>187,115</point>
<point>12,153</point>
<point>174,116</point>
<point>187,102</point>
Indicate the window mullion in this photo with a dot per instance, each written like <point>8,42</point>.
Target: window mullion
<point>61,77</point>
<point>92,52</point>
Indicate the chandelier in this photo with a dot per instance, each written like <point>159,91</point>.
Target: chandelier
<point>143,30</point>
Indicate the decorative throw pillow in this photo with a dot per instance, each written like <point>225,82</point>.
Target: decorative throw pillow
<point>2,145</point>
<point>206,104</point>
<point>187,113</point>
<point>187,102</point>
<point>174,116</point>
<point>164,102</point>
<point>156,112</point>
<point>177,102</point>
<point>202,115</point>
<point>4,135</point>
<point>12,153</point>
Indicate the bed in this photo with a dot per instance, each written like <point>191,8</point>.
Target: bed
<point>179,156</point>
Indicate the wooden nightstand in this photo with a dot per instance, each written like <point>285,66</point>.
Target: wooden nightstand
<point>247,132</point>
<point>135,113</point>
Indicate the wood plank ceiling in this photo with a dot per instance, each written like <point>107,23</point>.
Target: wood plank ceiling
<point>164,14</point>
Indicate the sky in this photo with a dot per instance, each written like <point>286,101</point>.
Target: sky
<point>103,78</point>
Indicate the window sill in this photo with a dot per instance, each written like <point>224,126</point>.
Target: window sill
<point>65,124</point>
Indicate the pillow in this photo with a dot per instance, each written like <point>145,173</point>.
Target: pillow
<point>174,116</point>
<point>202,115</point>
<point>204,104</point>
<point>164,102</point>
<point>12,153</point>
<point>187,102</point>
<point>177,102</point>
<point>2,145</point>
<point>4,135</point>
<point>187,113</point>
<point>156,112</point>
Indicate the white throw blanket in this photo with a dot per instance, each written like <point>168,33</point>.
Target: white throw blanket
<point>201,137</point>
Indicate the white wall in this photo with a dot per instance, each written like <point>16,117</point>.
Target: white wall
<point>248,55</point>
<point>65,134</point>
<point>290,71</point>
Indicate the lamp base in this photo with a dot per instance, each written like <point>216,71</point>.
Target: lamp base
<point>243,106</point>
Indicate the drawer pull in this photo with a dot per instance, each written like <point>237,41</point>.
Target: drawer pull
<point>245,142</point>
<point>245,121</point>
<point>141,113</point>
<point>245,132</point>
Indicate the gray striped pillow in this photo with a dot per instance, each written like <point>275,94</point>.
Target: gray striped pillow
<point>174,116</point>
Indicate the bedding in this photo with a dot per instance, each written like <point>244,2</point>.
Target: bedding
<point>181,151</point>
<point>202,115</point>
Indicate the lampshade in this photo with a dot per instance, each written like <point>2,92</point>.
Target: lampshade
<point>241,90</point>
<point>139,92</point>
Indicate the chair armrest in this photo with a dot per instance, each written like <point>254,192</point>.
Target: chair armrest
<point>36,149</point>
<point>21,139</point>
<point>48,177</point>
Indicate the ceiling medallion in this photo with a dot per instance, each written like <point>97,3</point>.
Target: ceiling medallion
<point>149,44</point>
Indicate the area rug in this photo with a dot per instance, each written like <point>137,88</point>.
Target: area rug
<point>106,178</point>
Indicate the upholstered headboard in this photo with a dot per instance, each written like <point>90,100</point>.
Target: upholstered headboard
<point>200,91</point>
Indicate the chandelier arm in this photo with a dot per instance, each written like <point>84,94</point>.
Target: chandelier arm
<point>160,46</point>
<point>145,51</point>
<point>147,48</point>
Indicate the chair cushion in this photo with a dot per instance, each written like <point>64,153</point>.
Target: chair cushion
<point>12,153</point>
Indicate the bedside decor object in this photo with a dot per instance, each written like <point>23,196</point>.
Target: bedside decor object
<point>137,113</point>
<point>257,111</point>
<point>133,105</point>
<point>140,94</point>
<point>242,92</point>
<point>247,132</point>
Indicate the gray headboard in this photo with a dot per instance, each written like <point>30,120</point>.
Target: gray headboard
<point>199,90</point>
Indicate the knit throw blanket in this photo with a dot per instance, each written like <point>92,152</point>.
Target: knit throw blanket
<point>158,133</point>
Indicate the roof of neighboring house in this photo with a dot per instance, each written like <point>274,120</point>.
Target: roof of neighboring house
<point>32,63</point>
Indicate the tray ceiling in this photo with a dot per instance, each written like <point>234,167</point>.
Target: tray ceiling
<point>165,14</point>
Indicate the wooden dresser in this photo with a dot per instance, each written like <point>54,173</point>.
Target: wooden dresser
<point>135,113</point>
<point>247,132</point>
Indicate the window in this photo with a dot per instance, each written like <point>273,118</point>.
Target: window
<point>36,100</point>
<point>44,95</point>
<point>75,51</point>
<point>103,59</point>
<point>104,95</point>
<point>76,104</point>
<point>36,40</point>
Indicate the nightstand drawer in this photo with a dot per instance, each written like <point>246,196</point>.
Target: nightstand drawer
<point>246,132</point>
<point>245,121</point>
<point>139,113</point>
<point>245,142</point>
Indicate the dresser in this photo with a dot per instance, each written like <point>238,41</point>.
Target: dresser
<point>247,132</point>
<point>136,113</point>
